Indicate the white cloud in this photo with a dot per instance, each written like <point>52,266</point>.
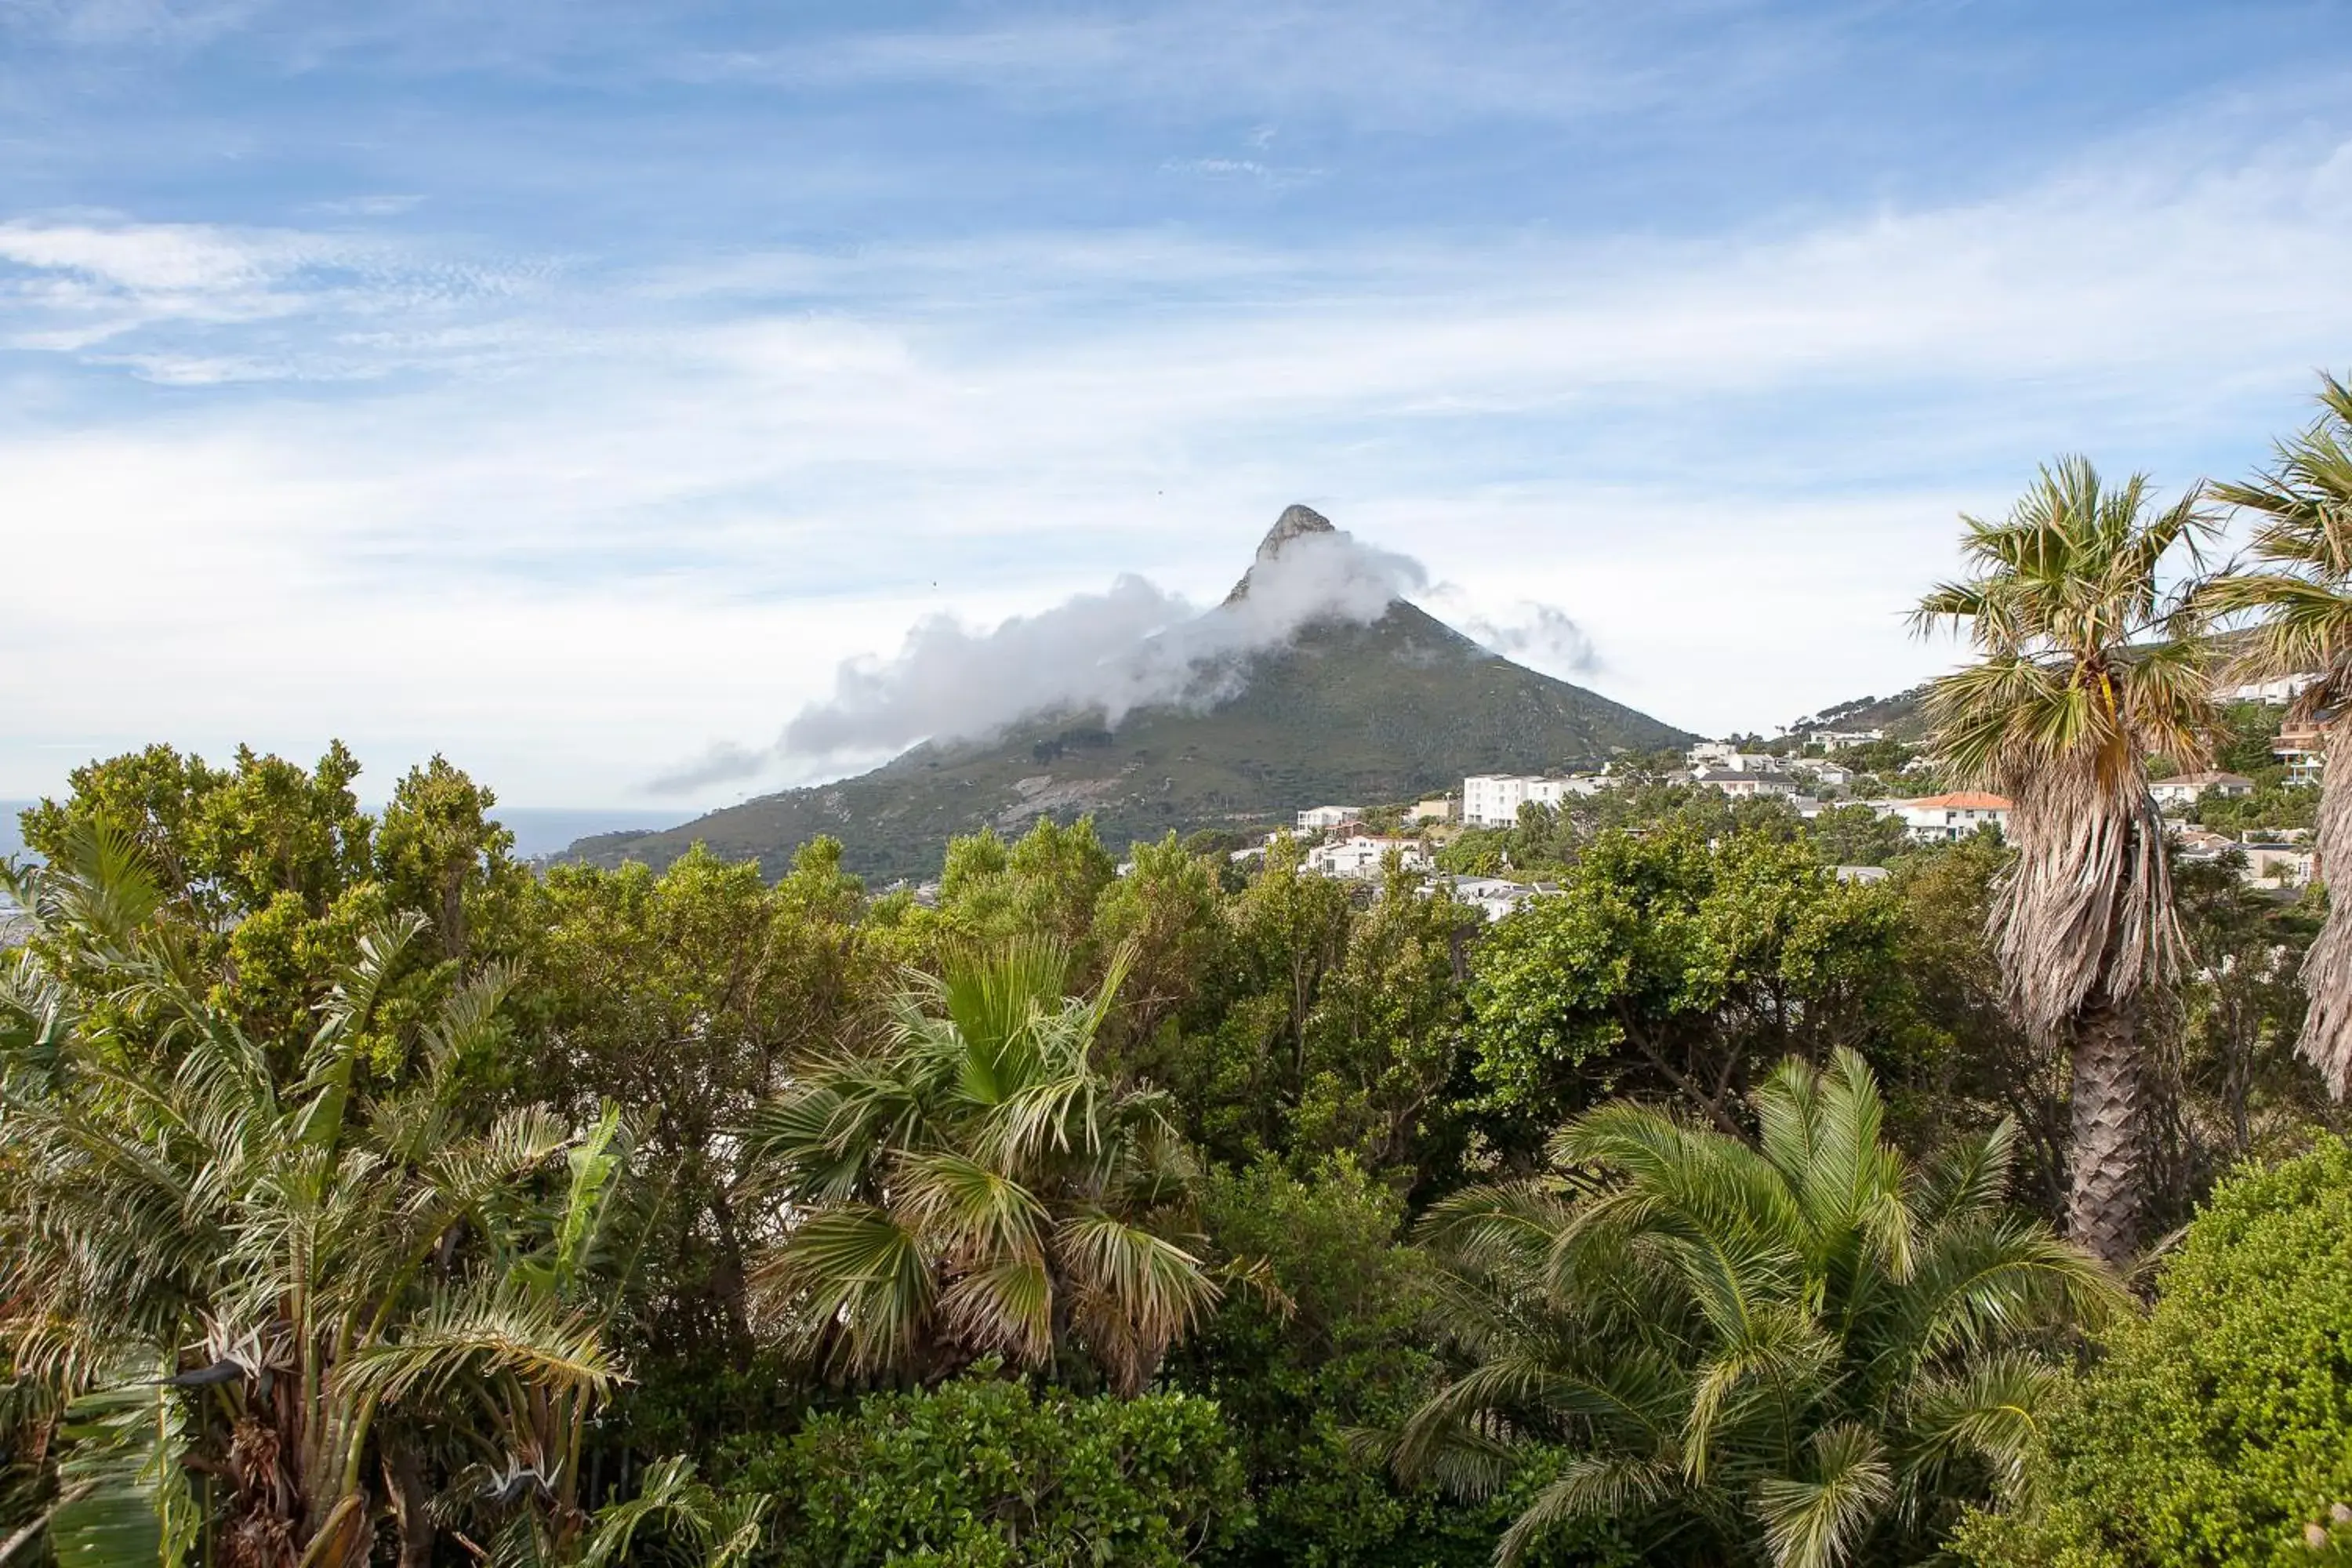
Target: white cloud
<point>604,524</point>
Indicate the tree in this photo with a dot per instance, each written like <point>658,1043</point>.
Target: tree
<point>438,850</point>
<point>686,995</point>
<point>1384,1038</point>
<point>1675,966</point>
<point>2236,1090</point>
<point>2218,1430</point>
<point>1340,1349</point>
<point>2084,671</point>
<point>984,1472</point>
<point>338,1252</point>
<point>1800,1351</point>
<point>2299,581</point>
<point>1857,836</point>
<point>973,1185</point>
<point>1970,1066</point>
<point>221,844</point>
<point>1238,1076</point>
<point>1169,913</point>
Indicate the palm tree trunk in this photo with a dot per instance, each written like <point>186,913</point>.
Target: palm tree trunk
<point>2326,1041</point>
<point>2103,1206</point>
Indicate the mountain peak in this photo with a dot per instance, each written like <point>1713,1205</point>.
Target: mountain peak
<point>1297,520</point>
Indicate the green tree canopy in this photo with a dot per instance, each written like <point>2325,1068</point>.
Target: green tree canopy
<point>1672,965</point>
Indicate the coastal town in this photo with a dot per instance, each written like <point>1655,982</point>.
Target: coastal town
<point>1805,773</point>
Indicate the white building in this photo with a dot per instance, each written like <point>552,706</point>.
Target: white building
<point>2277,693</point>
<point>1747,785</point>
<point>1357,857</point>
<point>1493,897</point>
<point>1943,818</point>
<point>2188,789</point>
<point>2279,864</point>
<point>1315,817</point>
<point>1493,800</point>
<point>1835,740</point>
<point>1722,757</point>
<point>1835,775</point>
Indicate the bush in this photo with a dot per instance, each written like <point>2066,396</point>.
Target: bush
<point>981,1473</point>
<point>2218,1428</point>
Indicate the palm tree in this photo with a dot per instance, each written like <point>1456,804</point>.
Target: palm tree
<point>2299,580</point>
<point>2086,670</point>
<point>974,1186</point>
<point>1802,1352</point>
<point>264,1270</point>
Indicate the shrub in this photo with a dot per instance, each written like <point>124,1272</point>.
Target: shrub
<point>982,1473</point>
<point>2218,1428</point>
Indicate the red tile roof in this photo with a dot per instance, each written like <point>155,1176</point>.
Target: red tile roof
<point>1963,800</point>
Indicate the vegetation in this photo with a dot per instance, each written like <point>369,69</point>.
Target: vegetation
<point>368,1196</point>
<point>2085,672</point>
<point>2298,580</point>
<point>1800,1353</point>
<point>973,1186</point>
<point>2219,1429</point>
<point>982,1473</point>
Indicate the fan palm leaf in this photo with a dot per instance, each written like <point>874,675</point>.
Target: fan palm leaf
<point>2297,584</point>
<point>2087,665</point>
<point>1787,1348</point>
<point>974,1184</point>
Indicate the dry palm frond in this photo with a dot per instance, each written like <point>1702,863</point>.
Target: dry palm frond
<point>2299,587</point>
<point>2087,910</point>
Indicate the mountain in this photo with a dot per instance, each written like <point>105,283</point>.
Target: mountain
<point>1902,716</point>
<point>1361,712</point>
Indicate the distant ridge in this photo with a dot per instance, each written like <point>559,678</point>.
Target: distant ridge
<point>1360,712</point>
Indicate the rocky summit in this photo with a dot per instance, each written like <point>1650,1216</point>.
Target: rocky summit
<point>1388,709</point>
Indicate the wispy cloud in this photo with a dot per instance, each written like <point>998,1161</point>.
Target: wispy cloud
<point>197,303</point>
<point>604,469</point>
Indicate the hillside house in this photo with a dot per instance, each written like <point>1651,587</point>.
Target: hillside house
<point>1438,810</point>
<point>1493,897</point>
<point>2279,864</point>
<point>1747,785</point>
<point>1316,818</point>
<point>1722,757</point>
<point>2199,844</point>
<point>1357,857</point>
<point>2184,790</point>
<point>1837,740</point>
<point>1945,818</point>
<point>2302,748</point>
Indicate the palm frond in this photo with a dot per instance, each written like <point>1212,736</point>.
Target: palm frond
<point>1815,1519</point>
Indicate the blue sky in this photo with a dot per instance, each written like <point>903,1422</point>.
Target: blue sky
<point>570,388</point>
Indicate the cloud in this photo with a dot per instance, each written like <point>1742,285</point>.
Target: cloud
<point>202,304</point>
<point>1541,636</point>
<point>672,498</point>
<point>389,205</point>
<point>1133,645</point>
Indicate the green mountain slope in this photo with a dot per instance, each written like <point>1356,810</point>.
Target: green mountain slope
<point>1360,713</point>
